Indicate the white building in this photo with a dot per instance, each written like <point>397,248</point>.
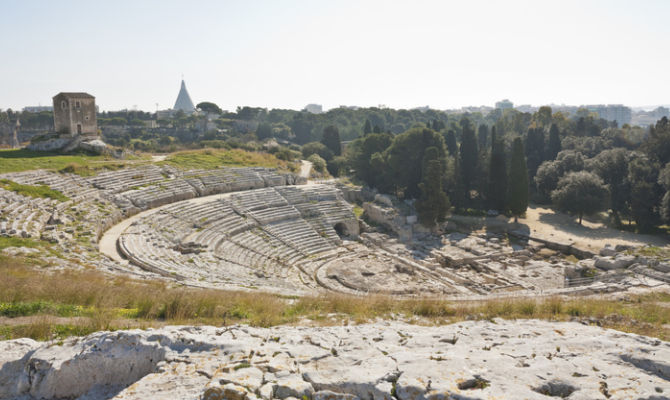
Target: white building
<point>504,104</point>
<point>314,108</point>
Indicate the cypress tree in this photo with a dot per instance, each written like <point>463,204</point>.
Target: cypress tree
<point>331,139</point>
<point>452,146</point>
<point>554,146</point>
<point>457,192</point>
<point>518,180</point>
<point>469,156</point>
<point>438,125</point>
<point>263,131</point>
<point>497,190</point>
<point>433,204</point>
<point>367,128</point>
<point>534,150</point>
<point>483,136</point>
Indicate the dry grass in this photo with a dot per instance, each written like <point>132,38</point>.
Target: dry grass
<point>81,164</point>
<point>64,303</point>
<point>215,158</point>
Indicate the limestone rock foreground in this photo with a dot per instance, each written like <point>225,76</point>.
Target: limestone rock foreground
<point>525,359</point>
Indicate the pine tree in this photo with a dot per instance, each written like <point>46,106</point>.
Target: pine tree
<point>469,156</point>
<point>518,180</point>
<point>554,145</point>
<point>497,188</point>
<point>582,193</point>
<point>331,139</point>
<point>367,128</point>
<point>433,204</point>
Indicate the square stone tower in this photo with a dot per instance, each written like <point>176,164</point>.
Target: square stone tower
<point>74,114</point>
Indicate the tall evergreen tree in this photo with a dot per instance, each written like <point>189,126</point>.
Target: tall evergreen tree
<point>497,188</point>
<point>438,125</point>
<point>457,191</point>
<point>433,204</point>
<point>331,139</point>
<point>645,192</point>
<point>554,145</point>
<point>483,136</point>
<point>518,180</point>
<point>450,140</point>
<point>469,155</point>
<point>263,131</point>
<point>534,150</point>
<point>367,128</point>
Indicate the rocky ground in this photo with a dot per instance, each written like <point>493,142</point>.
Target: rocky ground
<point>524,359</point>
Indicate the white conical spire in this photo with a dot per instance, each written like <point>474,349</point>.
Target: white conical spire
<point>184,102</point>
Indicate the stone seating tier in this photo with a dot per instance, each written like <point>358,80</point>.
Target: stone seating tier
<point>256,199</point>
<point>121,180</point>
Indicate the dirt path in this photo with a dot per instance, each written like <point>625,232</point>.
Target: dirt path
<point>558,227</point>
<point>544,223</point>
<point>107,243</point>
<point>305,169</point>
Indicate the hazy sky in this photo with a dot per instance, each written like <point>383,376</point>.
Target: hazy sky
<point>286,54</point>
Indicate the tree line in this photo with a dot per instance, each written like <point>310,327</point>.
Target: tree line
<point>477,168</point>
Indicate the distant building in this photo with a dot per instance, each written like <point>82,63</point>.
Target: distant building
<point>423,109</point>
<point>184,102</point>
<point>476,109</point>
<point>612,112</point>
<point>646,118</point>
<point>504,104</point>
<point>74,114</point>
<point>526,108</point>
<point>37,109</point>
<point>314,108</point>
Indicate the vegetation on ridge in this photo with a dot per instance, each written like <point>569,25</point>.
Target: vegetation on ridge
<point>215,158</point>
<point>41,191</point>
<point>53,304</point>
<point>79,163</point>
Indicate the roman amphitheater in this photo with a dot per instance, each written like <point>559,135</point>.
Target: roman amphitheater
<point>260,229</point>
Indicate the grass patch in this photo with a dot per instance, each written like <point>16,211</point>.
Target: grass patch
<point>13,241</point>
<point>90,301</point>
<point>89,169</point>
<point>25,160</point>
<point>41,191</point>
<point>215,158</point>
<point>22,309</point>
<point>652,251</point>
<point>77,163</point>
<point>358,211</point>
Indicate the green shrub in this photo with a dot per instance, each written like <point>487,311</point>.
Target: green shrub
<point>318,163</point>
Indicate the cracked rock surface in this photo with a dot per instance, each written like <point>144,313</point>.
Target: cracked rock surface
<point>523,359</point>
